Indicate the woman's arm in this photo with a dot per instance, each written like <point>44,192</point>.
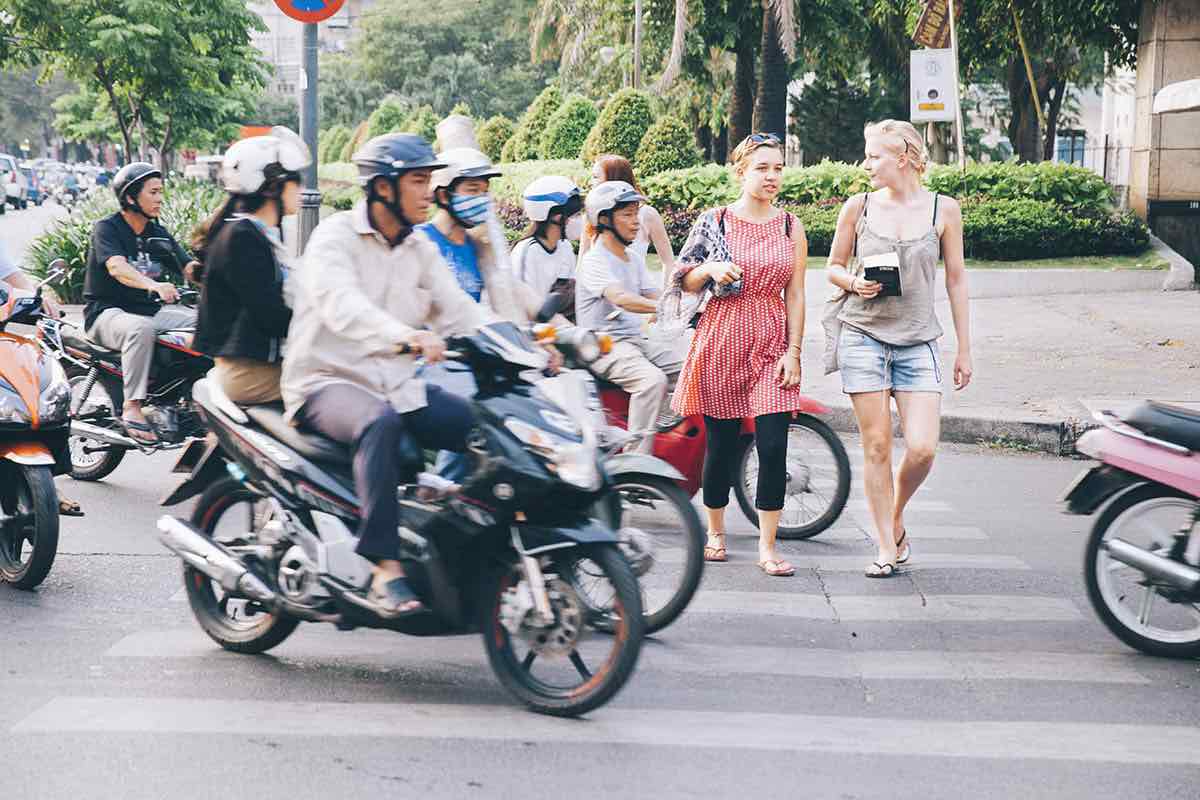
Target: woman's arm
<point>842,249</point>
<point>956,288</point>
<point>694,269</point>
<point>657,231</point>
<point>252,277</point>
<point>788,367</point>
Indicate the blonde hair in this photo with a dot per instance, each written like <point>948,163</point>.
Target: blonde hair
<point>747,147</point>
<point>905,139</point>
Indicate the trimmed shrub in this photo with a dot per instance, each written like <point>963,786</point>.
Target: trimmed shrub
<point>338,171</point>
<point>1011,230</point>
<point>388,116</point>
<point>516,177</point>
<point>335,143</point>
<point>621,126</point>
<point>523,146</point>
<point>1065,184</point>
<point>341,198</point>
<point>668,144</point>
<point>423,122</point>
<point>461,108</point>
<point>356,140</point>
<point>696,188</point>
<point>568,128</point>
<point>493,135</point>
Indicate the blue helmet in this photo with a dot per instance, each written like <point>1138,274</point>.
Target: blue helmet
<point>393,154</point>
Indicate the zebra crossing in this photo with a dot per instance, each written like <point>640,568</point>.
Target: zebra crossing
<point>872,669</point>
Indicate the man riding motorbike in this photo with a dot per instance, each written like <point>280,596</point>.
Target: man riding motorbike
<point>364,299</point>
<point>613,292</point>
<point>122,278</point>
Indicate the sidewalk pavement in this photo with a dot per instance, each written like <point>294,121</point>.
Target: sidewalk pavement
<point>1036,358</point>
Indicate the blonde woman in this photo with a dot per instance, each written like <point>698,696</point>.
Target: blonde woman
<point>745,358</point>
<point>888,346</point>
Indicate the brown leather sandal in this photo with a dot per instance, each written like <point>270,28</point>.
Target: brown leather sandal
<point>713,552</point>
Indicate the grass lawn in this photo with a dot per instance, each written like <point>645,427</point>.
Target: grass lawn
<point>1148,260</point>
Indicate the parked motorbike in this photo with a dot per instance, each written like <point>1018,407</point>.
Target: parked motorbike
<point>34,423</point>
<point>512,553</point>
<point>1142,561</point>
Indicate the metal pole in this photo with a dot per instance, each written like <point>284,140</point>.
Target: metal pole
<point>962,155</point>
<point>310,197</point>
<point>637,44</point>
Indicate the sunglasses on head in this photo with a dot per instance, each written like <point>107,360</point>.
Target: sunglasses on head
<point>764,138</point>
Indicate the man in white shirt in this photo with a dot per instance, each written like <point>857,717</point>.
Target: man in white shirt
<point>14,276</point>
<point>614,293</point>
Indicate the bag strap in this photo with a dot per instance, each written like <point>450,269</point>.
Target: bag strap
<point>787,224</point>
<point>862,215</point>
<point>721,220</point>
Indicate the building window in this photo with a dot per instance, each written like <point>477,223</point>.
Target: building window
<point>1071,146</point>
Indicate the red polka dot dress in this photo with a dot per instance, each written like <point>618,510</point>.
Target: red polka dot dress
<point>730,368</point>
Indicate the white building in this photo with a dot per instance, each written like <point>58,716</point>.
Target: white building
<point>282,41</point>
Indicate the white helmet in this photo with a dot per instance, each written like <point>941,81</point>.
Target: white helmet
<point>252,162</point>
<point>607,196</point>
<point>462,162</point>
<point>548,193</point>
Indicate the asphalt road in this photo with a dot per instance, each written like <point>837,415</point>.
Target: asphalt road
<point>979,672</point>
<point>19,228</point>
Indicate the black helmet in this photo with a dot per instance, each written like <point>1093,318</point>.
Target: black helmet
<point>130,178</point>
<point>394,154</point>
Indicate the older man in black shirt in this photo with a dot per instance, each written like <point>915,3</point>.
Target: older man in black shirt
<point>127,264</point>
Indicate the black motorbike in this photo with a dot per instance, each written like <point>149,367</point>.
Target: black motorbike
<point>512,553</point>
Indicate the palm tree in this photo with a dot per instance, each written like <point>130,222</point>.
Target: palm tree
<point>779,35</point>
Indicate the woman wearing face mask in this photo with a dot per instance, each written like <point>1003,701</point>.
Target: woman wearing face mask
<point>651,229</point>
<point>243,316</point>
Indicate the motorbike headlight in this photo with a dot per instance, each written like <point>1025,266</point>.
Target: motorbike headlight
<point>12,407</point>
<point>54,404</point>
<point>572,462</point>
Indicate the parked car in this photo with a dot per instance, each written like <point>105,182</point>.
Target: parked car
<point>16,188</point>
<point>37,191</point>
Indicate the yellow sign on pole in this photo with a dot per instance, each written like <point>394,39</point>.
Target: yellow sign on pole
<point>933,28</point>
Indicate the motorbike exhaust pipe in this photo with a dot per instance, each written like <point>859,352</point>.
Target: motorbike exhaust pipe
<point>87,430</point>
<point>212,559</point>
<point>1181,576</point>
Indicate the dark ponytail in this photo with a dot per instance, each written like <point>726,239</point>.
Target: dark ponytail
<point>206,232</point>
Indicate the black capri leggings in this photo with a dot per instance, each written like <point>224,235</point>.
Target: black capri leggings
<point>721,457</point>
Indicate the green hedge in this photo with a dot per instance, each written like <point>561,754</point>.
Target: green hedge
<point>667,145</point>
<point>621,125</point>
<point>568,128</point>
<point>523,146</point>
<point>516,177</point>
<point>388,116</point>
<point>493,135</point>
<point>185,204</point>
<point>335,142</point>
<point>1065,184</point>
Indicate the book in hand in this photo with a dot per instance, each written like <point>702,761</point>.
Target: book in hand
<point>884,269</point>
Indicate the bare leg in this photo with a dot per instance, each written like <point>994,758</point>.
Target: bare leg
<point>714,548</point>
<point>873,412</point>
<point>921,420</point>
<point>768,527</point>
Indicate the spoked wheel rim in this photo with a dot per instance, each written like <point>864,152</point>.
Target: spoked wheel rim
<point>229,525</point>
<point>812,477</point>
<point>1137,601</point>
<point>574,659</point>
<point>97,399</point>
<point>18,527</point>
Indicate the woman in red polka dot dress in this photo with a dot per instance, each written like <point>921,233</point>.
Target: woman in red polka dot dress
<point>745,358</point>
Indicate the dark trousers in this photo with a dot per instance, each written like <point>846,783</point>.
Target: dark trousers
<point>387,449</point>
<point>721,459</point>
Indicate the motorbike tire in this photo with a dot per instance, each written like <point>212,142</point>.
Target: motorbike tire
<point>257,638</point>
<point>110,459</point>
<point>600,687</point>
<point>1123,503</point>
<point>40,500</point>
<point>694,538</point>
<point>841,492</point>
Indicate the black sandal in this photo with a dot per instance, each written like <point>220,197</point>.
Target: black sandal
<point>885,570</point>
<point>903,551</point>
<point>69,508</point>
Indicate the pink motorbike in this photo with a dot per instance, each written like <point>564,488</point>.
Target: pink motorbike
<point>1142,563</point>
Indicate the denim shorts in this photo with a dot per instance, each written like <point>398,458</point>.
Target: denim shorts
<point>869,365</point>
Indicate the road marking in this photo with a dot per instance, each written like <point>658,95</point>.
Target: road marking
<point>1009,740</point>
<point>669,656</point>
<point>891,608</point>
<point>857,563</point>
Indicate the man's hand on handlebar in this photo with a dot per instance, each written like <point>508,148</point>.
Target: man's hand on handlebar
<point>424,343</point>
<point>166,291</point>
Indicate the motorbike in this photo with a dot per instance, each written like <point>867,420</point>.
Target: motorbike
<point>1142,560</point>
<point>98,441</point>
<point>34,424</point>
<point>512,553</point>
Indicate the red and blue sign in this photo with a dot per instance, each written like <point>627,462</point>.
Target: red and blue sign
<point>310,10</point>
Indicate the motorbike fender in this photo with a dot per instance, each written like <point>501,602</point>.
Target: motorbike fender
<point>204,462</point>
<point>626,463</point>
<point>30,454</point>
<point>1093,488</point>
<point>538,538</point>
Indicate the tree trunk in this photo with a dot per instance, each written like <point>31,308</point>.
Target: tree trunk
<point>637,44</point>
<point>741,103</point>
<point>705,136</point>
<point>770,104</point>
<point>1023,131</point>
<point>102,77</point>
<point>936,142</point>
<point>1056,96</point>
<point>720,145</point>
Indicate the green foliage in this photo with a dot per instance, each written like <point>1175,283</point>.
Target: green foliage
<point>341,198</point>
<point>345,96</point>
<point>493,135</point>
<point>516,177</point>
<point>668,144</point>
<point>696,188</point>
<point>829,116</point>
<point>354,141</point>
<point>391,115</point>
<point>523,146</point>
<point>1066,184</point>
<point>1009,230</point>
<point>460,108</point>
<point>186,203</point>
<point>621,126</point>
<point>423,122</point>
<point>335,142</point>
<point>274,109</point>
<point>338,171</point>
<point>568,128</point>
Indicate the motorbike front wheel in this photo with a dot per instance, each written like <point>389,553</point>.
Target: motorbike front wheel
<point>567,667</point>
<point>28,524</point>
<point>92,460</point>
<point>1145,613</point>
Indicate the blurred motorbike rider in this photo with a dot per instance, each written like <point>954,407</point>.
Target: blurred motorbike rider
<point>544,259</point>
<point>243,316</point>
<point>124,281</point>
<point>366,297</point>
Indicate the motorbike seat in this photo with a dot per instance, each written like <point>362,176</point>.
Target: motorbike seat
<point>310,445</point>
<point>1171,423</point>
<point>71,339</point>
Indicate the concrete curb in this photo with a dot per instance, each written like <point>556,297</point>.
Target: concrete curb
<point>1183,273</point>
<point>1043,436</point>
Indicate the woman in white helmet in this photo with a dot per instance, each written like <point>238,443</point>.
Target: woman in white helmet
<point>554,206</point>
<point>243,315</point>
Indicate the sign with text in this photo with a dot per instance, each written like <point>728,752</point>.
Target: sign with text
<point>934,85</point>
<point>310,10</point>
<point>933,28</point>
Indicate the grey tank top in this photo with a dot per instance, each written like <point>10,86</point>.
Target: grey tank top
<point>908,319</point>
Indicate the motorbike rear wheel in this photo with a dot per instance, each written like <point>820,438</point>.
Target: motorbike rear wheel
<point>107,391</point>
<point>28,524</point>
<point>1123,596</point>
<point>818,480</point>
<point>238,625</point>
<point>544,667</point>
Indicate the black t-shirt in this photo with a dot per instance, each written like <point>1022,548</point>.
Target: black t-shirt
<point>112,236</point>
